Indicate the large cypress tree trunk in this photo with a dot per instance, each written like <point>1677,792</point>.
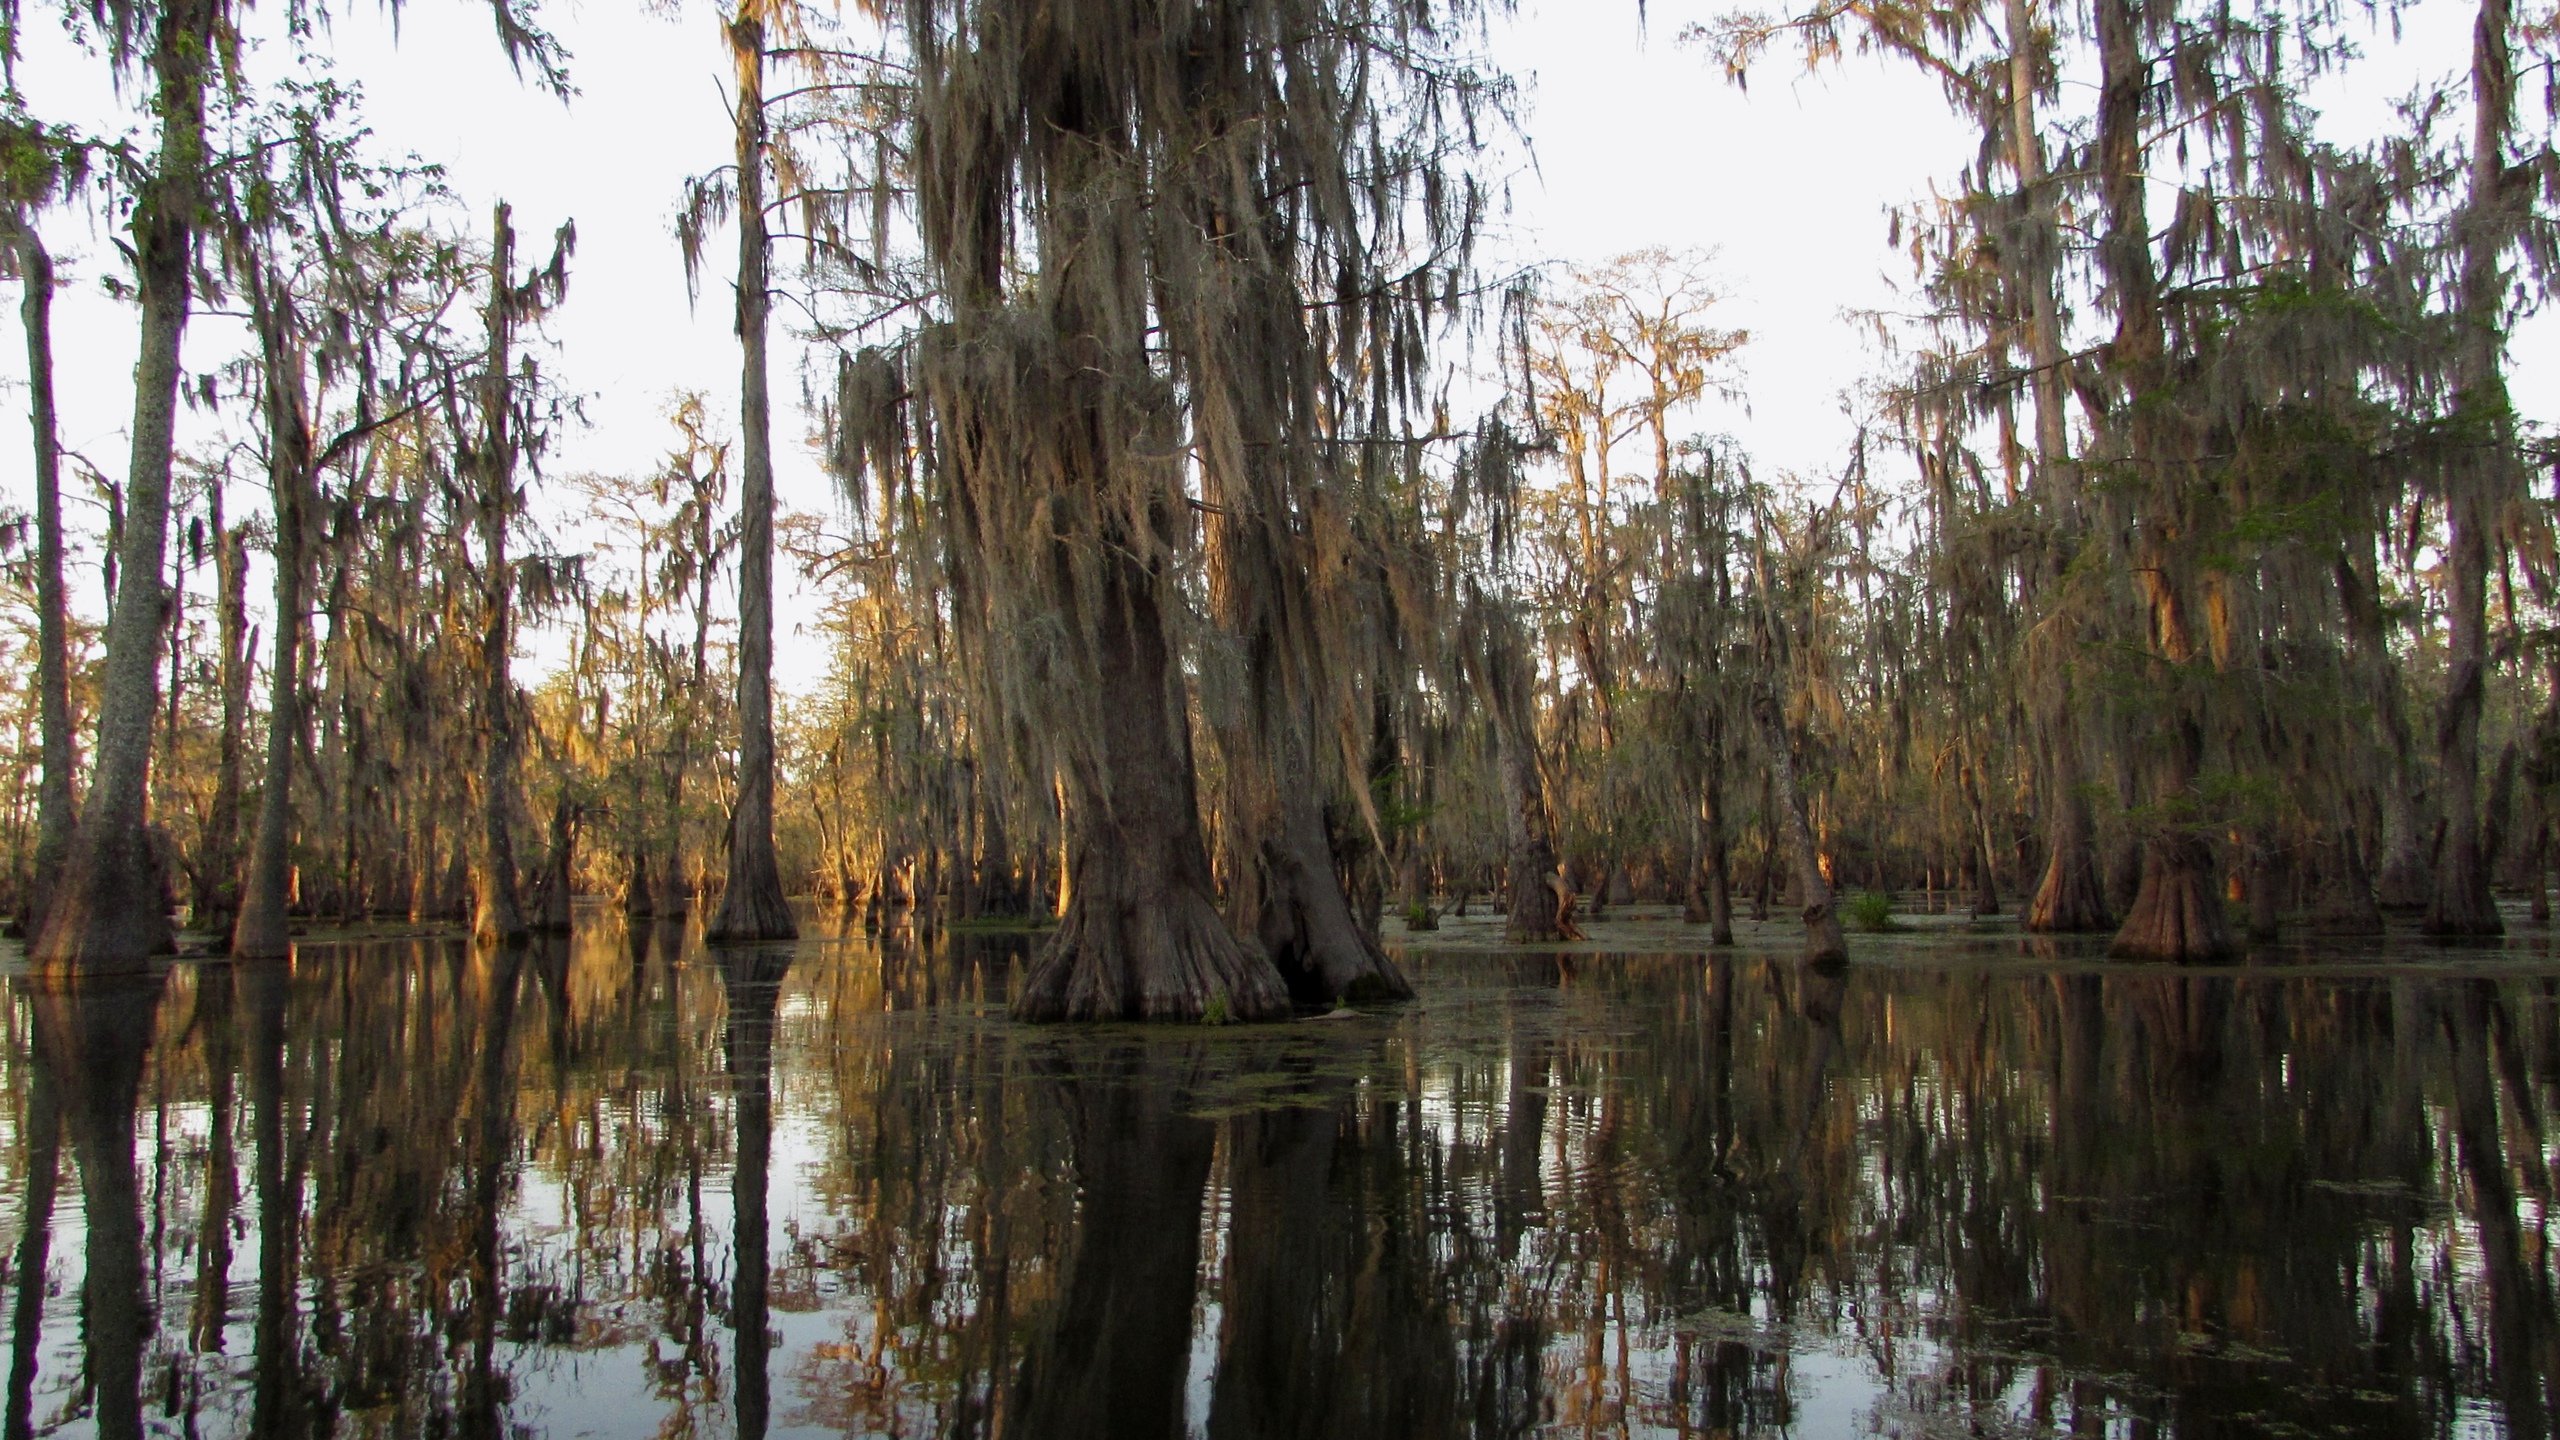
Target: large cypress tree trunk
<point>753,907</point>
<point>59,757</point>
<point>2177,909</point>
<point>1303,918</point>
<point>1284,890</point>
<point>2069,898</point>
<point>2479,481</point>
<point>107,913</point>
<point>1141,937</point>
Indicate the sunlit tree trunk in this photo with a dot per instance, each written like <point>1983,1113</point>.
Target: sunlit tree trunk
<point>107,915</point>
<point>753,907</point>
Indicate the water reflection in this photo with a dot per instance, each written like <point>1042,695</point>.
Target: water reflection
<point>610,1185</point>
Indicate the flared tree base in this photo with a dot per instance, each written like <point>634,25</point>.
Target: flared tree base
<point>2177,914</point>
<point>2069,900</point>
<point>753,909</point>
<point>2462,907</point>
<point>107,916</point>
<point>1165,957</point>
<point>1305,925</point>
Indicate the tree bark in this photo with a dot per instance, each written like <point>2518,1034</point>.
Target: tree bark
<point>1305,922</point>
<point>753,907</point>
<point>497,909</point>
<point>1823,941</point>
<point>2068,899</point>
<point>262,931</point>
<point>2479,482</point>
<point>106,915</point>
<point>218,871</point>
<point>55,812</point>
<point>1531,910</point>
<point>1141,937</point>
<point>2177,910</point>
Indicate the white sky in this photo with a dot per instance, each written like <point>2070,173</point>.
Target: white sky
<point>1639,142</point>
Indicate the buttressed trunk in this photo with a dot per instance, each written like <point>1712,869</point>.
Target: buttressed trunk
<point>1302,918</point>
<point>753,906</point>
<point>2177,909</point>
<point>2069,899</point>
<point>1141,937</point>
<point>107,915</point>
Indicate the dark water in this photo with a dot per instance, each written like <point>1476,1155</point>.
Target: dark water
<point>615,1187</point>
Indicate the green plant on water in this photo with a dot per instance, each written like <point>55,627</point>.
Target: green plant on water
<point>1420,916</point>
<point>1215,1012</point>
<point>1872,911</point>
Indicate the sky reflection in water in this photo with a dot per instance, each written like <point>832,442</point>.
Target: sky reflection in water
<point>398,1189</point>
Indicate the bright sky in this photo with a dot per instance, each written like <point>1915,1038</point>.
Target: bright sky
<point>1639,142</point>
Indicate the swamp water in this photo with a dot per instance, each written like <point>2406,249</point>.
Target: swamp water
<point>617,1187</point>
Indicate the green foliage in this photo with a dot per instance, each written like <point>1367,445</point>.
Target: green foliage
<point>1872,912</point>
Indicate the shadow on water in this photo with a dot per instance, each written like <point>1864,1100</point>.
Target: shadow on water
<point>614,1185</point>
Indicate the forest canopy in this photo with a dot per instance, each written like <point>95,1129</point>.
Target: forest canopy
<point>1237,557</point>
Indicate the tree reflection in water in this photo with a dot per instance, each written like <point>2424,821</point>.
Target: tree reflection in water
<point>401,1188</point>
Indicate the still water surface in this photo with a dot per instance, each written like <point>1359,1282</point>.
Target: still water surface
<point>617,1187</point>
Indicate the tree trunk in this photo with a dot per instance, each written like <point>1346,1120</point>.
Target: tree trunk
<point>54,804</point>
<point>1141,937</point>
<point>1305,922</point>
<point>218,870</point>
<point>2479,482</point>
<point>553,913</point>
<point>1532,912</point>
<point>497,909</point>
<point>2068,899</point>
<point>753,907</point>
<point>2177,911</point>
<point>106,916</point>
<point>262,930</point>
<point>1823,941</point>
